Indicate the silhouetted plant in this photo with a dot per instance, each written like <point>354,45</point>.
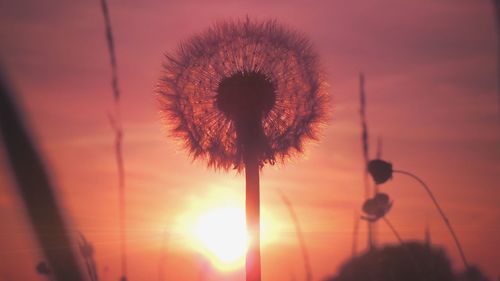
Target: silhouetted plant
<point>472,273</point>
<point>377,207</point>
<point>242,94</point>
<point>397,262</point>
<point>35,188</point>
<point>382,171</point>
<point>365,145</point>
<point>116,124</point>
<point>87,252</point>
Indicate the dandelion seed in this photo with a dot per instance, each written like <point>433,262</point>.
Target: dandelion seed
<point>240,82</point>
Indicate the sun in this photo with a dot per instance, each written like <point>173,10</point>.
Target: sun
<point>213,225</point>
<point>221,235</point>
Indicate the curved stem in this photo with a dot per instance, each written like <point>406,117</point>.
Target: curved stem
<point>441,212</point>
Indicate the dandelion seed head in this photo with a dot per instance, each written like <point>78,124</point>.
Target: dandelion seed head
<point>238,70</point>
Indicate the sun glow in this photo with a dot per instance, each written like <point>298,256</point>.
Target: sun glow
<point>213,225</point>
<point>221,235</point>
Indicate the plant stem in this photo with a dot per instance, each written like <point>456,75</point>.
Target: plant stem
<point>496,6</point>
<point>300,237</point>
<point>405,247</point>
<point>396,233</point>
<point>36,189</point>
<point>366,152</point>
<point>355,234</point>
<point>253,270</point>
<point>117,127</point>
<point>441,212</point>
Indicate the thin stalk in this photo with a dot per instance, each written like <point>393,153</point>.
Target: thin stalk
<point>365,147</point>
<point>496,7</point>
<point>89,259</point>
<point>394,231</point>
<point>441,212</point>
<point>355,234</point>
<point>118,130</point>
<point>253,269</point>
<point>410,254</point>
<point>300,237</point>
<point>36,190</point>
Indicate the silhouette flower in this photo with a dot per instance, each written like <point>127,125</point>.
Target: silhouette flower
<point>377,207</point>
<point>380,170</point>
<point>242,94</point>
<point>243,70</point>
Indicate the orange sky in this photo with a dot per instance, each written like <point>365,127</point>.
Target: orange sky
<point>430,69</point>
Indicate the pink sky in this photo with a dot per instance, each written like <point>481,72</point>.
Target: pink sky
<point>431,84</point>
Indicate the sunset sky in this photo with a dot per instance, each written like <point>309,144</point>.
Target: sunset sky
<point>430,70</point>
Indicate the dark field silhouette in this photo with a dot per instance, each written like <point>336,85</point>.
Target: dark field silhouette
<point>411,261</point>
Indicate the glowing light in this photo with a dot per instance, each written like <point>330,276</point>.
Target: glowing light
<point>221,235</point>
<point>213,224</point>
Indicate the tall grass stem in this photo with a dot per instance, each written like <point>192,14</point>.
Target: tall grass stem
<point>36,189</point>
<point>118,130</point>
<point>300,236</point>
<point>365,145</point>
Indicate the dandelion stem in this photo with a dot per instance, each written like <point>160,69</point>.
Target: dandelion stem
<point>300,236</point>
<point>441,212</point>
<point>253,270</point>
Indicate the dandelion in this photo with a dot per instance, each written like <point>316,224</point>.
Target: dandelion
<point>240,95</point>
